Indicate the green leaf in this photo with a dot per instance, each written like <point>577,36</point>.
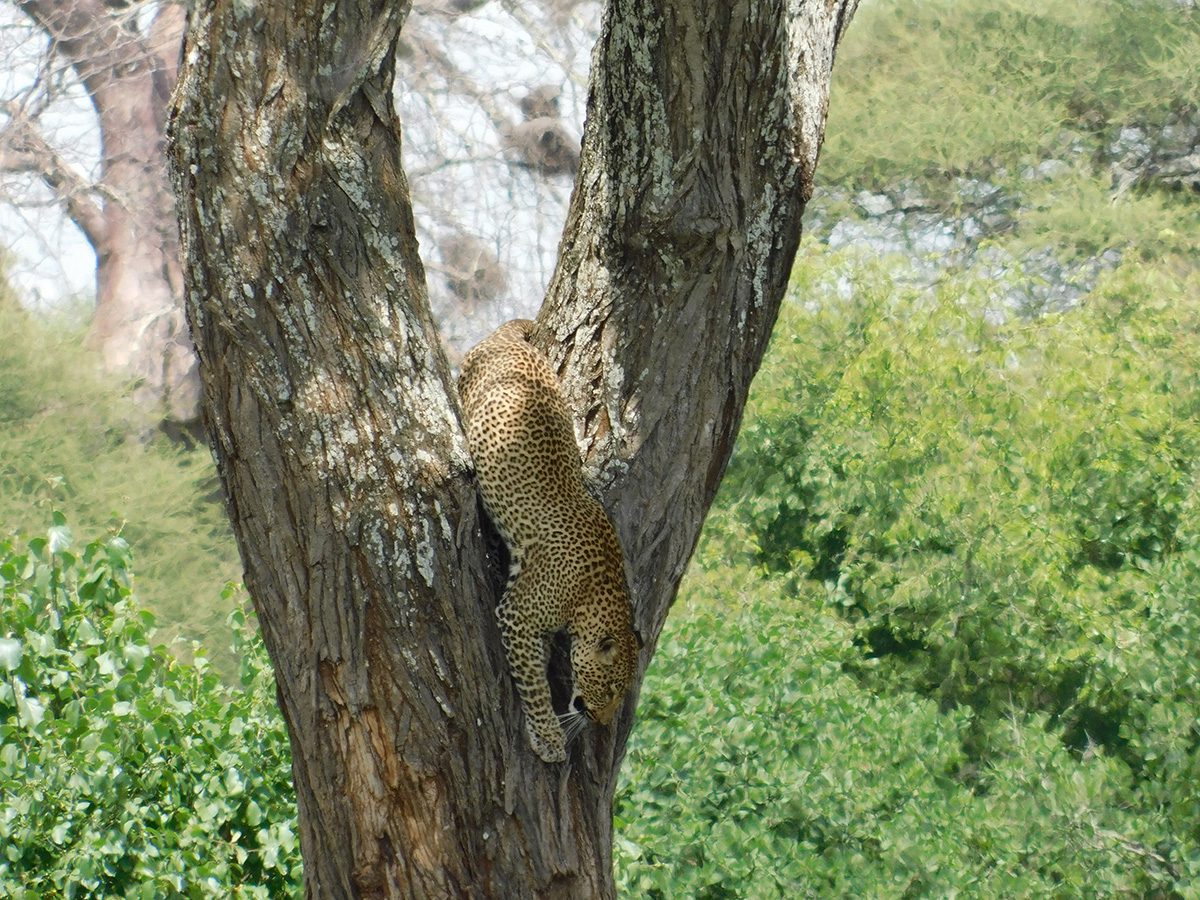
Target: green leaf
<point>59,538</point>
<point>11,651</point>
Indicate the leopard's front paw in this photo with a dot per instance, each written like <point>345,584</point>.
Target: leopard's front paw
<point>551,748</point>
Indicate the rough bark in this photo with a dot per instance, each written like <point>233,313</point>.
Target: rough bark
<point>128,215</point>
<point>334,420</point>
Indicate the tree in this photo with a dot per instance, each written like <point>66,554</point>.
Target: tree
<point>127,69</point>
<point>333,416</point>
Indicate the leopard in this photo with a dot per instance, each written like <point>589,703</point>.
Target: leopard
<point>566,565</point>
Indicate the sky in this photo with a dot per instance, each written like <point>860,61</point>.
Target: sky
<point>48,259</point>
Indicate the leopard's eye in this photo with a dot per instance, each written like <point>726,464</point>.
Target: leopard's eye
<point>607,643</point>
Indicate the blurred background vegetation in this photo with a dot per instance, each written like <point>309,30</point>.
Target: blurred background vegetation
<point>941,634</point>
<point>944,87</point>
<point>74,442</point>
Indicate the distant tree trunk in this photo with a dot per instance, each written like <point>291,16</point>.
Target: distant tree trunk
<point>334,418</point>
<point>128,216</point>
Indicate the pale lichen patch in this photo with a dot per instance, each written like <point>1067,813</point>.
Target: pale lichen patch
<point>439,666</point>
<point>425,556</point>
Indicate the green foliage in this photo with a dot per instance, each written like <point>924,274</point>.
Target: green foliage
<point>967,660</point>
<point>759,768</point>
<point>1081,215</point>
<point>70,441</point>
<point>936,87</point>
<point>992,504</point>
<point>123,771</point>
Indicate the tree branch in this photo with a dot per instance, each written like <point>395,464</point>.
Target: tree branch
<point>429,55</point>
<point>24,149</point>
<point>99,42</point>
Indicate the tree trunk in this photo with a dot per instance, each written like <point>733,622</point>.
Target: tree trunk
<point>334,418</point>
<point>138,327</point>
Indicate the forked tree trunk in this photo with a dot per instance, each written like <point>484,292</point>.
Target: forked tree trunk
<point>335,422</point>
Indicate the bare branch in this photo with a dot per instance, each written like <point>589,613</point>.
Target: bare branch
<point>537,32</point>
<point>24,149</point>
<point>100,43</point>
<point>430,56</point>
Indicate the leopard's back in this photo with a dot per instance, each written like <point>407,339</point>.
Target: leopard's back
<point>520,436</point>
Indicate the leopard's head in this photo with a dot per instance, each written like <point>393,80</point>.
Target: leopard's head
<point>604,658</point>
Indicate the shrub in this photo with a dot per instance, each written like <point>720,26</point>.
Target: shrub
<point>993,504</point>
<point>759,768</point>
<point>123,771</point>
<point>1002,517</point>
<point>72,440</point>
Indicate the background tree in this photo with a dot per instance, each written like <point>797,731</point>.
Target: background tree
<point>127,66</point>
<point>121,58</point>
<point>332,412</point>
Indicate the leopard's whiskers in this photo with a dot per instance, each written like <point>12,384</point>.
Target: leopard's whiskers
<point>573,722</point>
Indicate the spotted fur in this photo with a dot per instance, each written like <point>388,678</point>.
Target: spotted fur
<point>567,569</point>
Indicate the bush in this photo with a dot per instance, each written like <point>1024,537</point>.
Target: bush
<point>994,505</point>
<point>997,522</point>
<point>759,768</point>
<point>124,772</point>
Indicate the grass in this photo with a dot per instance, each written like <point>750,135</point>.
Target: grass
<point>935,88</point>
<point>1083,216</point>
